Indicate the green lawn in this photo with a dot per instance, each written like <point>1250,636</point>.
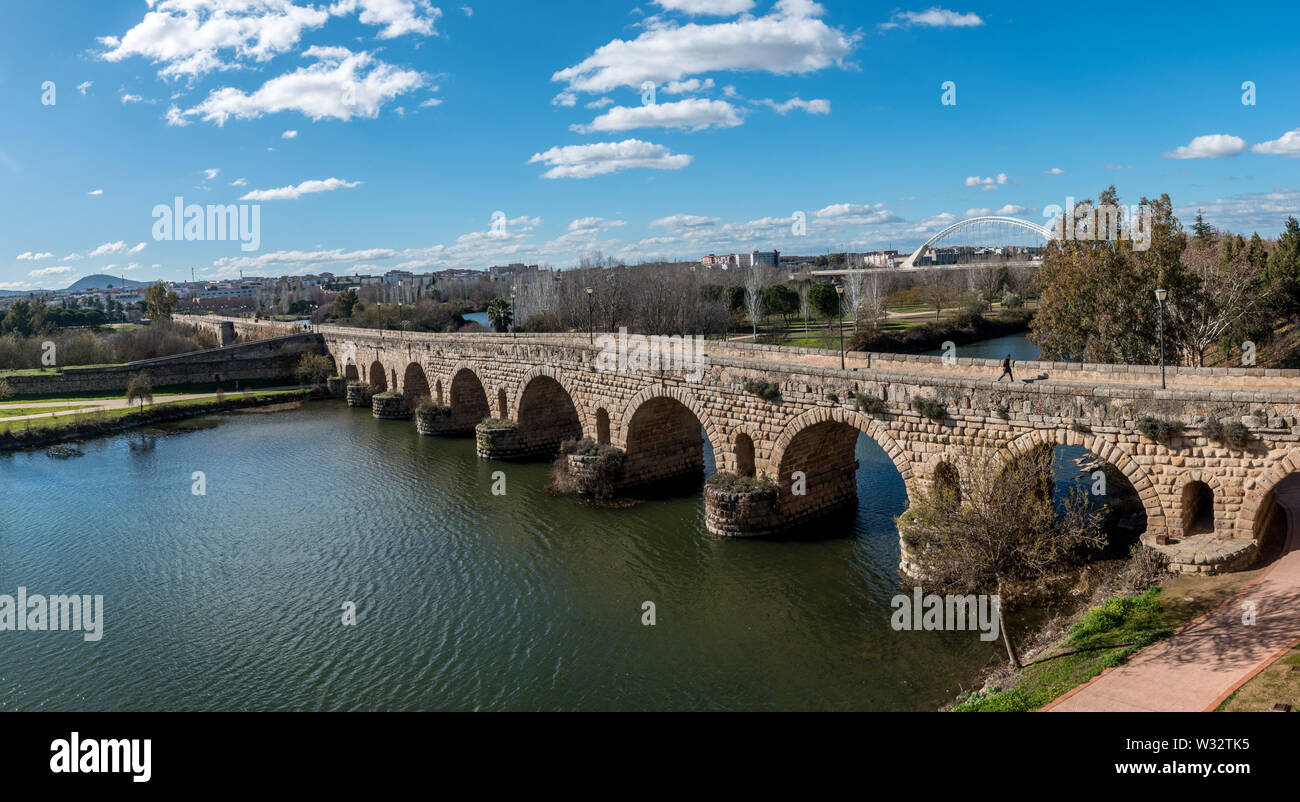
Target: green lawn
<point>14,412</point>
<point>166,390</point>
<point>108,415</point>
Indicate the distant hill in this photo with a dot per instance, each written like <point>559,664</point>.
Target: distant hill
<point>101,281</point>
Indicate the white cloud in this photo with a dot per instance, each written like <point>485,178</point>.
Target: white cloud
<point>594,224</point>
<point>191,38</point>
<point>1011,210</point>
<point>718,8</point>
<point>399,17</point>
<point>211,173</point>
<point>131,99</point>
<point>1264,212</point>
<point>469,12</point>
<point>116,247</point>
<point>934,18</point>
<point>29,256</point>
<point>49,271</point>
<point>290,134</point>
<point>566,99</point>
<point>692,114</point>
<point>239,182</point>
<point>789,40</point>
<point>84,86</point>
<point>599,103</point>
<point>986,184</point>
<point>687,87</point>
<point>1210,146</point>
<point>855,214</point>
<point>431,103</point>
<point>684,222</point>
<point>600,158</point>
<point>810,106</point>
<point>293,192</point>
<point>1286,145</point>
<point>95,192</point>
<point>338,86</point>
<point>1054,171</point>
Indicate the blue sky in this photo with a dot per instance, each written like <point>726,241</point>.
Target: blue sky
<point>416,122</point>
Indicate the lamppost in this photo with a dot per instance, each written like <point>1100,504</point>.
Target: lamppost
<point>591,336</point>
<point>513,294</point>
<point>839,314</point>
<point>1161,294</point>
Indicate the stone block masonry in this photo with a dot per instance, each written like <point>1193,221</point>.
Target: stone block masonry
<point>551,387</point>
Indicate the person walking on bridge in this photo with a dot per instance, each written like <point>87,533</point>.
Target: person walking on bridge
<point>1006,369</point>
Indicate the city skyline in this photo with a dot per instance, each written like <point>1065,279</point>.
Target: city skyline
<point>514,135</point>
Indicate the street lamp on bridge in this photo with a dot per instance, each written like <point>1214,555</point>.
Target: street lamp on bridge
<point>839,312</point>
<point>1161,294</point>
<point>591,337</point>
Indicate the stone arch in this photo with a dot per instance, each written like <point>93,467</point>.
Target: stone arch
<point>378,377</point>
<point>946,479</point>
<point>602,425</point>
<point>743,450</point>
<point>415,384</point>
<point>467,398</point>
<point>1105,450</point>
<point>712,431</point>
<point>545,415</point>
<point>662,438</point>
<point>1198,486</point>
<point>821,444</point>
<point>560,378</point>
<point>1260,504</point>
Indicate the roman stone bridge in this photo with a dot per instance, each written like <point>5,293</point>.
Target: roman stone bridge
<point>1214,500</point>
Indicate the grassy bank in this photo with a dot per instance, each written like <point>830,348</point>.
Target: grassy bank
<point>1104,637</point>
<point>163,390</point>
<point>16,434</point>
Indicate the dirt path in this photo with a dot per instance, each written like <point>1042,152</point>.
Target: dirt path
<point>105,404</point>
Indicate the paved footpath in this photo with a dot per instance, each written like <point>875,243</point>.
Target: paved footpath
<point>1200,665</point>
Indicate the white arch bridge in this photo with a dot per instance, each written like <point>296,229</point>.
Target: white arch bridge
<point>982,226</point>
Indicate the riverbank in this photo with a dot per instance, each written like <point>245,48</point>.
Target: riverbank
<point>961,330</point>
<point>37,432</point>
<point>1118,619</point>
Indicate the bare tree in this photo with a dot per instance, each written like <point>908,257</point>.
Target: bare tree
<point>754,296</point>
<point>1227,294</point>
<point>995,528</point>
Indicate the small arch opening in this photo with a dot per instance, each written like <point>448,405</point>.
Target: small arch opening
<point>1197,508</point>
<point>744,455</point>
<point>602,426</point>
<point>378,378</point>
<point>502,407</point>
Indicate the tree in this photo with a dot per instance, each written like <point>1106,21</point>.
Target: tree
<point>314,368</point>
<point>1203,234</point>
<point>1229,297</point>
<point>805,307</point>
<point>160,302</point>
<point>936,295</point>
<point>139,388</point>
<point>500,315</point>
<point>782,300</point>
<point>825,300</point>
<point>1284,266</point>
<point>735,298</point>
<point>343,304</point>
<point>996,529</point>
<point>754,300</point>
<point>18,319</point>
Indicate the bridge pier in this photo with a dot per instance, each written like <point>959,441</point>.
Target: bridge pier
<point>435,421</point>
<point>358,394</point>
<point>390,406</point>
<point>502,440</point>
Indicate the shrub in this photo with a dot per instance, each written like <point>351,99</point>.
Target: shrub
<point>725,482</point>
<point>833,398</point>
<point>1213,429</point>
<point>6,392</point>
<point>930,408</point>
<point>603,471</point>
<point>1236,434</point>
<point>496,423</point>
<point>1011,300</point>
<point>870,404</point>
<point>763,388</point>
<point>1159,430</point>
<point>1003,412</point>
<point>427,407</point>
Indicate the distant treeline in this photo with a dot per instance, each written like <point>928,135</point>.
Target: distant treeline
<point>110,346</point>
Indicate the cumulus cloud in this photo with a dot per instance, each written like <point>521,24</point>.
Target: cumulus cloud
<point>399,17</point>
<point>789,40</point>
<point>687,87</point>
<point>293,192</point>
<point>1286,145</point>
<point>686,222</point>
<point>211,173</point>
<point>116,247</point>
<point>718,8</point>
<point>49,271</point>
<point>1210,146</point>
<point>290,134</point>
<point>95,192</point>
<point>933,18</point>
<point>992,182</point>
<point>594,224</point>
<point>810,106</point>
<point>29,256</point>
<point>84,86</point>
<point>855,214</point>
<point>566,99</point>
<point>126,98</point>
<point>600,158</point>
<point>341,85</point>
<point>692,114</point>
<point>1054,171</point>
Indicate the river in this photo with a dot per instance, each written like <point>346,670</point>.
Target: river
<point>465,600</point>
